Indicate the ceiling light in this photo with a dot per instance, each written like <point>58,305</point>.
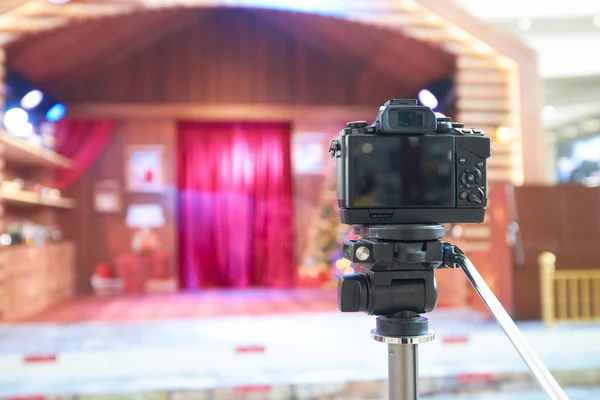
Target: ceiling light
<point>428,99</point>
<point>504,134</point>
<point>524,24</point>
<point>32,99</point>
<point>23,130</point>
<point>548,112</point>
<point>15,120</point>
<point>58,1</point>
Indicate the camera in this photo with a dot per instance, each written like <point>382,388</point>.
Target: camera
<point>410,167</point>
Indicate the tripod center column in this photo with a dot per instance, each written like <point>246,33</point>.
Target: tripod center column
<point>403,371</point>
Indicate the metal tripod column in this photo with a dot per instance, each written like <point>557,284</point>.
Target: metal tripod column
<point>403,370</point>
<point>403,364</point>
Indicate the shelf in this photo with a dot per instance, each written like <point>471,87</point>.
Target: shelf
<point>27,199</point>
<point>18,151</point>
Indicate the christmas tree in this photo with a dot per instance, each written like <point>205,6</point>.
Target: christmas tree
<point>323,258</point>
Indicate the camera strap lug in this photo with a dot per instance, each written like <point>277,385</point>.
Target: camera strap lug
<point>334,149</point>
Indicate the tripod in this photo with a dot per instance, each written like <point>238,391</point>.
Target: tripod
<point>397,284</point>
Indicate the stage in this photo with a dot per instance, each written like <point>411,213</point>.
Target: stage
<point>270,344</point>
<point>209,303</point>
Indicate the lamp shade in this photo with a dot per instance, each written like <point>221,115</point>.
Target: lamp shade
<point>145,216</point>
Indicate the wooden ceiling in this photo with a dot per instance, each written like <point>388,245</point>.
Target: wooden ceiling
<point>70,53</point>
<point>433,21</point>
<point>391,52</point>
<point>73,52</point>
<point>496,73</point>
<point>85,33</point>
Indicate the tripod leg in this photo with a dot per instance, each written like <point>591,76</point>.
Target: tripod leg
<point>403,371</point>
<point>538,369</point>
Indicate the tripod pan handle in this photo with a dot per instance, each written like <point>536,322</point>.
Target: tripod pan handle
<point>537,367</point>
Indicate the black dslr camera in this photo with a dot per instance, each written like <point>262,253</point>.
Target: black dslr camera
<point>410,167</point>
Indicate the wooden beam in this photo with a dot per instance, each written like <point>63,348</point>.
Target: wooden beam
<point>483,77</point>
<point>483,104</point>
<point>2,78</point>
<point>75,10</point>
<point>10,5</point>
<point>2,104</point>
<point>7,37</point>
<point>27,24</point>
<point>222,112</point>
<point>499,39</point>
<point>474,63</point>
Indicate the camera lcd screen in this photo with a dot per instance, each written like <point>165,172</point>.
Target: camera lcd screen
<point>407,119</point>
<point>401,171</point>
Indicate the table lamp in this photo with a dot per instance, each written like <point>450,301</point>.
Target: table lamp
<point>145,217</point>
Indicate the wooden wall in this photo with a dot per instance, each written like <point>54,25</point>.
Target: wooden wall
<point>562,219</point>
<point>218,57</point>
<point>101,237</point>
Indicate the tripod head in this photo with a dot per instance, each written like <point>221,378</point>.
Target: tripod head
<point>396,282</point>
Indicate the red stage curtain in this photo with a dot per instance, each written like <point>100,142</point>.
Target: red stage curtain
<point>82,142</point>
<point>235,205</point>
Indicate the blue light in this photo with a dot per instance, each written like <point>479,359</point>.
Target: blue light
<point>56,113</point>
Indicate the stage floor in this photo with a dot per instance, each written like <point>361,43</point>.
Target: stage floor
<point>209,303</point>
<point>275,341</point>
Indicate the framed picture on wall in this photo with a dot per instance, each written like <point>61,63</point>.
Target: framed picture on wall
<point>308,152</point>
<point>145,169</point>
<point>107,196</point>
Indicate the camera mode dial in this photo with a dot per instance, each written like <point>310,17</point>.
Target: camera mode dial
<point>444,125</point>
<point>356,124</point>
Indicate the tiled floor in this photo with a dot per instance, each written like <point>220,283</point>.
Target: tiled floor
<point>272,346</point>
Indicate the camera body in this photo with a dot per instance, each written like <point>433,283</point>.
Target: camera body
<point>410,167</point>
